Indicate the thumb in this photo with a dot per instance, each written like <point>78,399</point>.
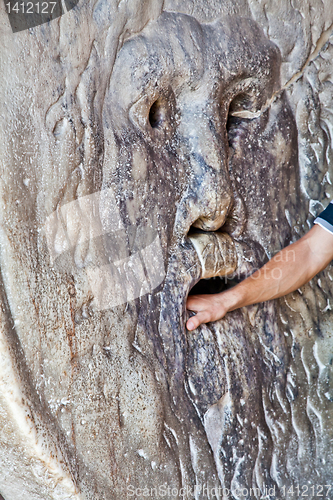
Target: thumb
<point>193,322</point>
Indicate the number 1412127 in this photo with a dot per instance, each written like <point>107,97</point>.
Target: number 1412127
<point>31,8</point>
<point>317,490</point>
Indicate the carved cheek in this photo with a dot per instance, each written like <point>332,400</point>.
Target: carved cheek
<point>139,166</point>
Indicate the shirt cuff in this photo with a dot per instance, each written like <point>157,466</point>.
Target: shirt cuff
<point>324,224</point>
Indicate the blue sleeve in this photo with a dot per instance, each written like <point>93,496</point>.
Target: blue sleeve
<point>325,218</point>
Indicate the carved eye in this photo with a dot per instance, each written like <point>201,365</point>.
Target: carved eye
<point>162,116</point>
<point>157,117</point>
<point>157,113</point>
<point>243,107</point>
<point>238,104</point>
<point>241,102</point>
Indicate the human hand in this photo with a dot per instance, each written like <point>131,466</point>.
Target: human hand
<point>209,307</point>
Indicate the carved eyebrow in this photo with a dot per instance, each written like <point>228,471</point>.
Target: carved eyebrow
<point>158,58</point>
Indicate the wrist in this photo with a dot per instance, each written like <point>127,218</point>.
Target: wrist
<point>232,299</point>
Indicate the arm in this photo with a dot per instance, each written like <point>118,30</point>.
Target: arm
<point>288,270</point>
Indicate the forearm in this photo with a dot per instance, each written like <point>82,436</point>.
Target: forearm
<point>291,268</point>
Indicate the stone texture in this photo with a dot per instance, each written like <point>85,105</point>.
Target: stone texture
<point>125,126</point>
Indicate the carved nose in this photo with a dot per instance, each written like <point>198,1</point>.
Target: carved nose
<point>209,194</point>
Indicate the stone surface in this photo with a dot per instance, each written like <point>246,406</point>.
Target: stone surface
<point>129,129</point>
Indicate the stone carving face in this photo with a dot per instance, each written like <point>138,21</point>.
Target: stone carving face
<point>195,144</point>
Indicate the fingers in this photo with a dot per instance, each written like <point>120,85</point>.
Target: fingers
<point>197,303</point>
<point>207,308</point>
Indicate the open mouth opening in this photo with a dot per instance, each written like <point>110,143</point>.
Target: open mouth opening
<point>216,284</point>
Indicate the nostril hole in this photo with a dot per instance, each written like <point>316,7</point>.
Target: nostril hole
<point>156,114</point>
